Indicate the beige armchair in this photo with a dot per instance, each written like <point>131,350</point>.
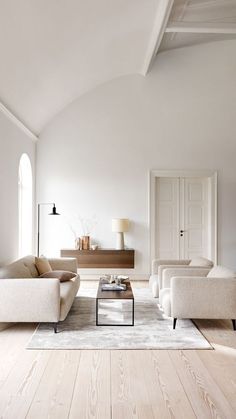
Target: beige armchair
<point>159,265</point>
<point>157,268</point>
<point>191,294</point>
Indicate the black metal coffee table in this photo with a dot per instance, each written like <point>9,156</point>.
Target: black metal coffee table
<point>115,295</point>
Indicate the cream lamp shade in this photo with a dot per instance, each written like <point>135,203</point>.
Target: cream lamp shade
<point>119,226</point>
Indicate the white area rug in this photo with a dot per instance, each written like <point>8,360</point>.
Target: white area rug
<point>152,330</point>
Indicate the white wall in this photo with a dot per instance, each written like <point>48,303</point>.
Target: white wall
<point>95,156</point>
<point>13,142</point>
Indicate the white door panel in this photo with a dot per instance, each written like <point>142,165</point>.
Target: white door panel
<point>195,217</point>
<point>182,205</point>
<point>167,226</point>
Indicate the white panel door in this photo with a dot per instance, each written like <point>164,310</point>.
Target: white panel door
<point>181,218</point>
<point>194,217</point>
<point>167,217</point>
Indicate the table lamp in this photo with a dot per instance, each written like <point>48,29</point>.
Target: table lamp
<point>119,226</point>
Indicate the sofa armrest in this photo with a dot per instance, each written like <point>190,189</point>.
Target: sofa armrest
<point>63,264</point>
<point>157,262</point>
<point>29,300</point>
<point>168,273</point>
<point>206,298</point>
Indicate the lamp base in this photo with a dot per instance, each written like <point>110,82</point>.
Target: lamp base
<point>120,245</point>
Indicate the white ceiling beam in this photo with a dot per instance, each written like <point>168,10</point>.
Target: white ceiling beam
<point>162,16</point>
<point>195,27</point>
<point>17,122</point>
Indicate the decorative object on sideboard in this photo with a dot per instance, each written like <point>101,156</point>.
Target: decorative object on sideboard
<point>120,226</point>
<point>82,228</point>
<point>77,243</point>
<point>54,212</point>
<point>85,242</point>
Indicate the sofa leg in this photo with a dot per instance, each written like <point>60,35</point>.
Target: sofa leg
<point>234,324</point>
<point>55,327</point>
<point>174,322</point>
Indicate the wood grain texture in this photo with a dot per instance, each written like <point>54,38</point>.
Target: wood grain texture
<point>12,341</point>
<point>118,384</point>
<point>102,258</point>
<point>151,391</point>
<point>58,380</point>
<point>205,396</point>
<point>91,396</point>
<point>19,388</point>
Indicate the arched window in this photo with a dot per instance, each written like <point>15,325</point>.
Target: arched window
<point>25,205</point>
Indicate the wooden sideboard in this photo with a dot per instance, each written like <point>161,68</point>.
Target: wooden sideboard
<point>102,258</point>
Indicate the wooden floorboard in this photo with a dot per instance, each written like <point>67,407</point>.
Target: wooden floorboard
<point>91,395</point>
<point>134,384</point>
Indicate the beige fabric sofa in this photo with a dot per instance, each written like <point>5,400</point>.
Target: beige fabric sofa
<point>188,293</point>
<point>159,265</point>
<point>26,298</point>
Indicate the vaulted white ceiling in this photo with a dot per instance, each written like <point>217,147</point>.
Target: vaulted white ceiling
<point>53,51</point>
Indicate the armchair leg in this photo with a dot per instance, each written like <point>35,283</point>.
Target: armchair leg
<point>174,322</point>
<point>55,327</point>
<point>234,324</point>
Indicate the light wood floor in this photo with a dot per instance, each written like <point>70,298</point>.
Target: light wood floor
<point>142,384</point>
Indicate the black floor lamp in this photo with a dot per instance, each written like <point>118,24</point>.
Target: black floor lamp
<point>54,212</point>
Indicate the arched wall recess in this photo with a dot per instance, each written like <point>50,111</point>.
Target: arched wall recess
<point>25,196</point>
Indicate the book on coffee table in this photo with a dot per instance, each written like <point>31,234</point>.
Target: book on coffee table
<point>113,287</point>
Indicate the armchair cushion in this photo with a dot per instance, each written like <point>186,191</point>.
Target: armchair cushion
<point>189,272</point>
<point>162,268</point>
<point>157,262</point>
<point>200,261</point>
<point>221,272</point>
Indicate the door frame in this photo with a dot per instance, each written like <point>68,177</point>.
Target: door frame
<point>212,177</point>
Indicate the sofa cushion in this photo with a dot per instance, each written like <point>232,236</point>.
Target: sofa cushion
<point>63,276</point>
<point>221,272</point>
<point>42,265</point>
<point>200,261</point>
<point>29,262</point>
<point>15,270</point>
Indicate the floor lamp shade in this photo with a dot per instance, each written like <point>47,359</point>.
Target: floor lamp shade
<point>120,226</point>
